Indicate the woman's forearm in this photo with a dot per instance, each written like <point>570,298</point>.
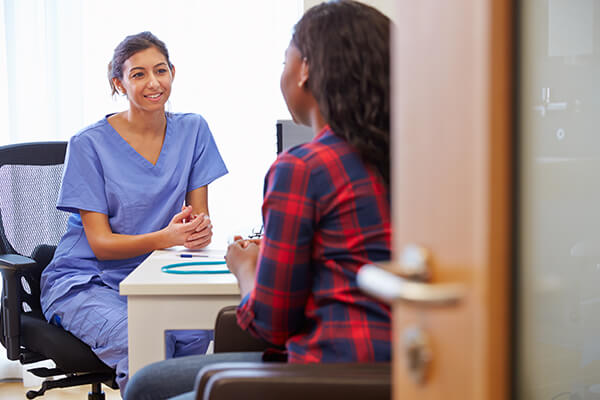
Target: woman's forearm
<point>198,199</point>
<point>107,245</point>
<point>246,282</point>
<point>115,246</point>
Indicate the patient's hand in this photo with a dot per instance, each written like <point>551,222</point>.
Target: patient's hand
<point>241,258</point>
<point>245,242</point>
<point>202,235</point>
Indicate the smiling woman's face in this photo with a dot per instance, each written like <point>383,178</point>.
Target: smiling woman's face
<point>147,80</point>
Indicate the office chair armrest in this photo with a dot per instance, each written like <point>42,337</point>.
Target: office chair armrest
<point>229,337</point>
<point>11,266</point>
<point>15,262</point>
<point>268,381</point>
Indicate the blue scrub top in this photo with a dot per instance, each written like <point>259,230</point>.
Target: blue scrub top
<point>103,173</point>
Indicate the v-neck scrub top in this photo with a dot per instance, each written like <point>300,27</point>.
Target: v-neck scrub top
<point>104,174</point>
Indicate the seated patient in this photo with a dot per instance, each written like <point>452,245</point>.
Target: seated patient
<point>326,209</point>
<point>125,180</point>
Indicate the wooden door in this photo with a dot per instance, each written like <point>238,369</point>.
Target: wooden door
<point>451,156</point>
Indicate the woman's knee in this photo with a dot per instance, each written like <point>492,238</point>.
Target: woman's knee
<point>142,384</point>
<point>164,379</point>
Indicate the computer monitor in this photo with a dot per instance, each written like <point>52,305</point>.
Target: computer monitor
<point>290,134</point>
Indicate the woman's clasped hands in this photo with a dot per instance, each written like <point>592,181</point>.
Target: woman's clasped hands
<point>193,231</point>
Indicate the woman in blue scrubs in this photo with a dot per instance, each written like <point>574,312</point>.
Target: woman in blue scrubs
<point>134,182</point>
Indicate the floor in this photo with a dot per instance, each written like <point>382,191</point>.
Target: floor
<point>16,391</point>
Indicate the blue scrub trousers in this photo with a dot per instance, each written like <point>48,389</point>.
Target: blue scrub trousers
<point>97,315</point>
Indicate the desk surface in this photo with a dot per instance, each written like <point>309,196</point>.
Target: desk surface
<point>148,279</point>
<point>157,301</point>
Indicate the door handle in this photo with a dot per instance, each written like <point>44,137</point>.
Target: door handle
<point>411,287</point>
<point>391,288</point>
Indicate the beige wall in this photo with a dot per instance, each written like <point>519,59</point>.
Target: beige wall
<point>385,6</point>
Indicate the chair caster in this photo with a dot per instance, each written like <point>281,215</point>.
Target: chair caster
<point>32,394</point>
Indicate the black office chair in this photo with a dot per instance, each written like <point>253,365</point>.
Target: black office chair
<point>279,380</point>
<point>30,228</point>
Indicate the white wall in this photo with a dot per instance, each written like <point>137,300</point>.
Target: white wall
<point>385,6</point>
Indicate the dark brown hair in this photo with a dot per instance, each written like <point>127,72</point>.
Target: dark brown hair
<point>128,47</point>
<point>347,47</point>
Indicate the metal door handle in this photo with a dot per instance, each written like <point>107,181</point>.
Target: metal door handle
<point>391,288</point>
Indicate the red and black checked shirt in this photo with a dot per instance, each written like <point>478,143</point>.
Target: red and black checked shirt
<point>325,215</point>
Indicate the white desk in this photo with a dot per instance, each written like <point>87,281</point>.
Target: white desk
<point>157,301</point>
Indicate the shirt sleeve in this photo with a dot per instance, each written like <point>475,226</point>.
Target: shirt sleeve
<point>207,164</point>
<point>83,182</point>
<point>275,309</point>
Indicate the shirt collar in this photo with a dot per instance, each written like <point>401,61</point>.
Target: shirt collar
<point>325,129</point>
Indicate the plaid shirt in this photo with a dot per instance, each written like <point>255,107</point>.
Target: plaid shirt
<point>325,215</point>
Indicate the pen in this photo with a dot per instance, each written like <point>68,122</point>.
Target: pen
<point>192,255</point>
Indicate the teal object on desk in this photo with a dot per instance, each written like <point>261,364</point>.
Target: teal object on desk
<point>174,268</point>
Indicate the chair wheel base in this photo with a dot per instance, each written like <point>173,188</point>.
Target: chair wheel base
<point>95,394</point>
<point>32,394</point>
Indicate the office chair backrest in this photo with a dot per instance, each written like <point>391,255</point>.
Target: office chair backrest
<point>30,224</point>
<point>30,177</point>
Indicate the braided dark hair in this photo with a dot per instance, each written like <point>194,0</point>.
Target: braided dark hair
<point>128,47</point>
<point>347,47</point>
